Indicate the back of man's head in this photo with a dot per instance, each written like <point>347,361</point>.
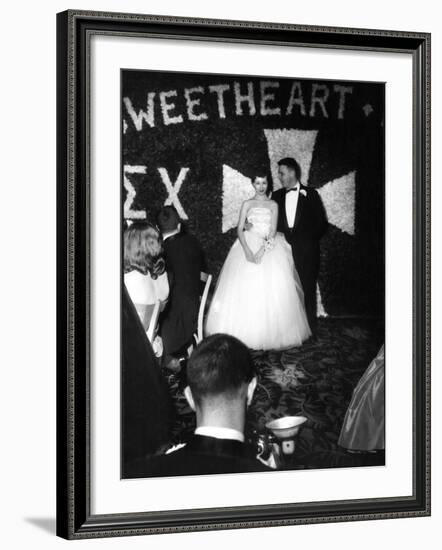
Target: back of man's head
<point>220,367</point>
<point>168,219</point>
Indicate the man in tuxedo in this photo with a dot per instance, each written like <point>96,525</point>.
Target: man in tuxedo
<point>221,381</point>
<point>303,221</point>
<point>184,262</point>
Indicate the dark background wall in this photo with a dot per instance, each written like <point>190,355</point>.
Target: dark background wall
<point>216,145</point>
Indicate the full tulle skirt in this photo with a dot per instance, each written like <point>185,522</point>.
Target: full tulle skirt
<point>260,304</point>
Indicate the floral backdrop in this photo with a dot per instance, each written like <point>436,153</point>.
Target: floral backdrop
<point>195,140</point>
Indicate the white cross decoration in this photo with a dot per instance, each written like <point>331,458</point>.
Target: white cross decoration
<point>338,196</point>
<point>173,189</point>
<point>128,212</point>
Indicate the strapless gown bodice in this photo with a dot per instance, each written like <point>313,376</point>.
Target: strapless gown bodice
<point>261,219</point>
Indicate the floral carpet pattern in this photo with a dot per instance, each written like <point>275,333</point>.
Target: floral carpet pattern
<point>315,380</point>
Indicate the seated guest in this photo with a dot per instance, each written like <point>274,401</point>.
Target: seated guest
<point>147,408</point>
<point>364,423</point>
<point>184,262</point>
<point>145,274</point>
<point>222,379</point>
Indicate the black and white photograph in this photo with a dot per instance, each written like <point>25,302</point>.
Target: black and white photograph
<point>243,275</point>
<point>252,274</point>
<point>222,245</point>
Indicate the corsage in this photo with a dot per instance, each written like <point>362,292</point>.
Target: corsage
<point>269,243</point>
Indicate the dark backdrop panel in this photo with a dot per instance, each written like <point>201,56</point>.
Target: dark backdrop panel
<point>347,163</point>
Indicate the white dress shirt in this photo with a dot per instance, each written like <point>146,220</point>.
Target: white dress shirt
<point>291,204</point>
<point>220,432</point>
<point>170,234</point>
<point>213,431</point>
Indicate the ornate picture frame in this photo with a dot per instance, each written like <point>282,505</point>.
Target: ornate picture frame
<point>75,519</point>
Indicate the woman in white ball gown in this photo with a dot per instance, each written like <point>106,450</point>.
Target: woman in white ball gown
<point>258,297</point>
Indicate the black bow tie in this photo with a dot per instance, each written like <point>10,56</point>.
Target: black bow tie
<point>293,189</point>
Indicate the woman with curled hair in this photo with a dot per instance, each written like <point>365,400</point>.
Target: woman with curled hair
<point>145,275</point>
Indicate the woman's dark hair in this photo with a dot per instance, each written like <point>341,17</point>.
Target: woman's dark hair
<point>268,176</point>
<point>220,364</point>
<point>293,164</point>
<point>143,249</point>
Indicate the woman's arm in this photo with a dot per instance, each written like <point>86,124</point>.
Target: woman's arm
<point>274,220</point>
<point>240,231</point>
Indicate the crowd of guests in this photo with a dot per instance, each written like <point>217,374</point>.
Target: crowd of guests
<point>162,263</point>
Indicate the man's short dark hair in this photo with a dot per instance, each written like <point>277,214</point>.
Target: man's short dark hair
<point>293,164</point>
<point>220,364</point>
<point>168,218</point>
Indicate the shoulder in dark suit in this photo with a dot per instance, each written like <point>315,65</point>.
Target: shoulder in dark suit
<point>201,455</point>
<point>184,261</point>
<point>278,197</point>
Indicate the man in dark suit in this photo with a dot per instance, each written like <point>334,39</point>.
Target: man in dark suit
<point>184,262</point>
<point>222,379</point>
<point>303,221</point>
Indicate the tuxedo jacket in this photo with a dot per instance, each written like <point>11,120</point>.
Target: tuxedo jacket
<point>184,262</point>
<point>309,226</point>
<point>201,455</point>
<point>310,220</point>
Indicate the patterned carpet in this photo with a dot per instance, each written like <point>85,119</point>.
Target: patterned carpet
<point>315,380</point>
